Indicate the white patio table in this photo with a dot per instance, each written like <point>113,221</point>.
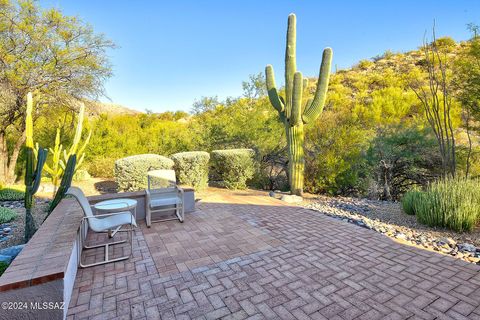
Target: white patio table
<point>116,205</point>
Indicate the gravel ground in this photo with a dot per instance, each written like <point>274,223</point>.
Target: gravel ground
<point>388,218</point>
<point>16,234</point>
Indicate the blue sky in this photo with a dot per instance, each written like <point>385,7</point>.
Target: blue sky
<point>173,52</point>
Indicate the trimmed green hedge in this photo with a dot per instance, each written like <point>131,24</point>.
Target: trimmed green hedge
<point>7,215</point>
<point>131,172</point>
<point>191,168</point>
<point>233,167</point>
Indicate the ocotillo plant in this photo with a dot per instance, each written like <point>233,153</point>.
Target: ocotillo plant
<point>33,172</point>
<point>291,109</point>
<point>64,184</point>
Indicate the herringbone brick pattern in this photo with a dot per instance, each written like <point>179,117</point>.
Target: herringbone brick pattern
<point>309,267</point>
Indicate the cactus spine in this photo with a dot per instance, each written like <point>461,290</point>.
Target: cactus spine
<point>293,113</point>
<point>64,184</point>
<point>33,172</point>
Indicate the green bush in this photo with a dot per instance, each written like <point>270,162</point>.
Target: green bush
<point>3,267</point>
<point>101,167</point>
<point>233,167</point>
<point>131,172</point>
<point>81,175</point>
<point>191,168</point>
<point>409,199</point>
<point>12,193</point>
<point>7,215</point>
<point>450,203</point>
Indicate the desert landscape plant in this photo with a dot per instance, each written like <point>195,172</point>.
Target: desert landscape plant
<point>33,170</point>
<point>409,199</point>
<point>7,215</point>
<point>233,167</point>
<point>11,194</point>
<point>66,182</point>
<point>450,203</point>
<point>60,155</point>
<point>293,113</point>
<point>59,57</point>
<point>131,172</point>
<point>191,168</point>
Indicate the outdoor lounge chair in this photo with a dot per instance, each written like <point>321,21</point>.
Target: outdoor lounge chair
<point>166,196</point>
<point>101,223</point>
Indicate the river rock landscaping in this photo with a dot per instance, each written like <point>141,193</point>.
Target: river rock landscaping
<point>389,219</point>
<point>12,233</point>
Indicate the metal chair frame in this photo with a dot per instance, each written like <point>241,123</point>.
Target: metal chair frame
<point>85,225</point>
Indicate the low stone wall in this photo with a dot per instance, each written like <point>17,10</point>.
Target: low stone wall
<point>39,282</point>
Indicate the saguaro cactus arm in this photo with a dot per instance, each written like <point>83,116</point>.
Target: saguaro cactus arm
<point>313,109</point>
<point>37,175</point>
<point>272,89</point>
<point>296,117</point>
<point>290,62</point>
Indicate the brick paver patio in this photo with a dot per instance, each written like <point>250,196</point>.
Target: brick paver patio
<point>255,257</point>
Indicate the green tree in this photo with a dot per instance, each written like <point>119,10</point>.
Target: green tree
<point>401,156</point>
<point>467,90</point>
<point>57,57</point>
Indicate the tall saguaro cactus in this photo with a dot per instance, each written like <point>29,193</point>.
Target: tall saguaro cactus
<point>293,112</point>
<point>33,172</point>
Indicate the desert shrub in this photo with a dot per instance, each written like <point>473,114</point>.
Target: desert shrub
<point>234,167</point>
<point>3,267</point>
<point>7,215</point>
<point>131,172</point>
<point>191,168</point>
<point>81,175</point>
<point>102,167</point>
<point>450,203</point>
<point>12,194</point>
<point>409,199</point>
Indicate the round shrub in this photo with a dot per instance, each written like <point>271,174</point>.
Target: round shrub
<point>233,167</point>
<point>12,193</point>
<point>191,168</point>
<point>409,199</point>
<point>131,172</point>
<point>101,167</point>
<point>7,215</point>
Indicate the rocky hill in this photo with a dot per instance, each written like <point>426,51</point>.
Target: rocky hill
<point>96,108</point>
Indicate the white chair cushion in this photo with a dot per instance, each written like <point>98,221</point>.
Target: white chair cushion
<point>164,201</point>
<point>111,222</point>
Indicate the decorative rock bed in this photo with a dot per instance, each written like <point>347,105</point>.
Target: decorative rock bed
<point>362,213</point>
<point>12,233</point>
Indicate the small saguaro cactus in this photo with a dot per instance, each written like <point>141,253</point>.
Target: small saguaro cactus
<point>293,113</point>
<point>33,172</point>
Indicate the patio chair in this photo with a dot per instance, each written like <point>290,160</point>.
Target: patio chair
<point>165,196</point>
<point>101,223</point>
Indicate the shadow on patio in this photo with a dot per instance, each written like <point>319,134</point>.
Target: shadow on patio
<point>239,256</point>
